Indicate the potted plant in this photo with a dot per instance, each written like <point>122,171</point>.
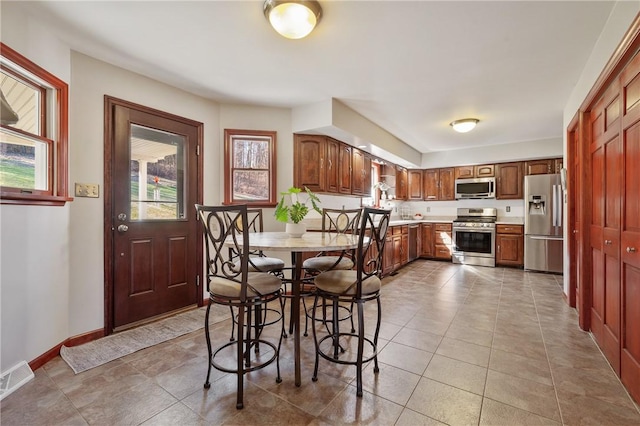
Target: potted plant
<point>293,213</point>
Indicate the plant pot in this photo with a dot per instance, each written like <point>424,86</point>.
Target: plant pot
<point>295,230</point>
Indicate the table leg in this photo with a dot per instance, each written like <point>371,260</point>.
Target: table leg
<point>296,260</point>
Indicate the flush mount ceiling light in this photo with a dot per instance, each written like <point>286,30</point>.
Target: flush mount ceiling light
<point>465,125</point>
<point>293,19</point>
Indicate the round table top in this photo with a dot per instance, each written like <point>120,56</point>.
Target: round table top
<point>310,241</point>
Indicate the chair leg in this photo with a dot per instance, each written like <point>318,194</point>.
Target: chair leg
<point>240,356</point>
<point>233,325</point>
<point>335,327</point>
<point>281,301</point>
<point>375,337</point>
<point>353,329</point>
<point>207,384</point>
<point>360,355</point>
<point>247,342</point>
<point>315,338</point>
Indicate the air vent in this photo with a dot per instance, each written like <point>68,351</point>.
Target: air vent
<point>15,377</point>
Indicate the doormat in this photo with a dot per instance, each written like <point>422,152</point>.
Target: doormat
<point>95,353</point>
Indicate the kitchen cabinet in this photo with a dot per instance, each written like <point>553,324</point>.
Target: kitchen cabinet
<point>332,161</point>
<point>415,185</point>
<point>396,251</point>
<point>402,178</point>
<point>558,162</point>
<point>438,184</point>
<point>360,173</point>
<point>510,245</point>
<point>309,152</point>
<point>469,172</point>
<point>442,240</point>
<point>509,181</point>
<point>540,167</point>
<point>427,240</point>
<point>344,167</point>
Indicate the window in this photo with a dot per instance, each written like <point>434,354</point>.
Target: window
<point>250,167</point>
<point>33,133</point>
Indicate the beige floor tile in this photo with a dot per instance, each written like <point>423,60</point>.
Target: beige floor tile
<point>496,413</point>
<point>458,374</point>
<point>536,369</point>
<point>445,403</point>
<point>348,409</point>
<point>464,351</point>
<point>390,382</point>
<point>413,418</point>
<point>405,357</point>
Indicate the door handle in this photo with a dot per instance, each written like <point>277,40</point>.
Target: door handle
<point>631,249</point>
<point>607,242</point>
<point>123,228</point>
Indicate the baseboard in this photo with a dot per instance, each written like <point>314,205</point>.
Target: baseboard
<point>71,341</point>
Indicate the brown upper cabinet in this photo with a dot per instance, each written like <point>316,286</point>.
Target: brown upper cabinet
<point>539,167</point>
<point>345,167</point>
<point>415,185</point>
<point>360,173</point>
<point>438,184</point>
<point>331,164</point>
<point>309,154</point>
<point>509,181</point>
<point>402,178</point>
<point>467,172</point>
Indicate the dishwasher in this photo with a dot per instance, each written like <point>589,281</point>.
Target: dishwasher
<point>413,241</point>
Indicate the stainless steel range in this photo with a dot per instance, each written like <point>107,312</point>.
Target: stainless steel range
<point>474,237</point>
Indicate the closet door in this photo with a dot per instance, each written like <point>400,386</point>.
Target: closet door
<point>630,235</point>
<point>606,157</point>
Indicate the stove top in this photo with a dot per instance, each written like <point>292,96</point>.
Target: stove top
<point>476,218</point>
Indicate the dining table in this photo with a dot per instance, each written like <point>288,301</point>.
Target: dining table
<point>297,246</point>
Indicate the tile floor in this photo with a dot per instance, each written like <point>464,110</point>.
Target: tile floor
<point>459,345</point>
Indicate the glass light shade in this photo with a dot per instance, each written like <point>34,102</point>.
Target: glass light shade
<point>293,19</point>
<point>465,125</point>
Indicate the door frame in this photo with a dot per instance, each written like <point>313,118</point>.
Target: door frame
<point>109,219</point>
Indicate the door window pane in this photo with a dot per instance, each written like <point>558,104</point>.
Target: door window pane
<point>157,174</point>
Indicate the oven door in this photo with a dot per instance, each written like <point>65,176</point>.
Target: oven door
<point>476,242</point>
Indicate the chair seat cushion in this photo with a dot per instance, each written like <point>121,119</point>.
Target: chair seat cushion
<point>326,263</point>
<point>263,284</point>
<point>263,264</point>
<point>343,282</point>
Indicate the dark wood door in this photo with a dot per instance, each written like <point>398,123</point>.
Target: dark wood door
<point>332,162</point>
<point>630,230</point>
<point>430,179</point>
<point>309,153</point>
<point>415,185</point>
<point>357,172</point>
<point>509,249</point>
<point>446,184</point>
<point>509,181</point>
<point>344,177</point>
<point>153,247</point>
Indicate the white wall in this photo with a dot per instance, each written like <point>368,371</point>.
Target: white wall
<point>34,247</point>
<point>622,15</point>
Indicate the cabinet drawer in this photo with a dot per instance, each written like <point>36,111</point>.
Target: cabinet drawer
<point>442,251</point>
<point>443,227</point>
<point>510,229</point>
<point>401,229</point>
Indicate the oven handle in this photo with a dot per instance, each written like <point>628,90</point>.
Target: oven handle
<point>485,230</point>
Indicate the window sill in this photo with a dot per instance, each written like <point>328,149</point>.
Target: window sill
<point>17,198</point>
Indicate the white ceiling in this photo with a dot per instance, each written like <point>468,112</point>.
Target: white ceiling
<point>409,67</point>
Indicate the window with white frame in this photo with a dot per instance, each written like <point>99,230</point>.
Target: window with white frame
<point>33,133</point>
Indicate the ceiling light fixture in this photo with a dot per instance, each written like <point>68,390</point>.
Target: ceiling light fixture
<point>465,125</point>
<point>293,19</point>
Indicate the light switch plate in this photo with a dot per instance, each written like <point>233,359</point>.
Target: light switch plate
<point>91,190</point>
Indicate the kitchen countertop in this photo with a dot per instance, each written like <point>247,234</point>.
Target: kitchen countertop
<point>316,223</point>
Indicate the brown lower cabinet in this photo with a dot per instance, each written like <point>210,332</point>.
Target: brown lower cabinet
<point>396,249</point>
<point>510,245</point>
<point>442,240</point>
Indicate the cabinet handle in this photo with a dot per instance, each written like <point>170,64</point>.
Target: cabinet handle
<point>321,162</point>
<point>631,249</point>
<point>575,231</point>
<point>498,247</point>
<point>330,164</point>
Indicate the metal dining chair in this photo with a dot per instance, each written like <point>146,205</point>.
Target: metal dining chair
<point>252,294</point>
<point>357,286</point>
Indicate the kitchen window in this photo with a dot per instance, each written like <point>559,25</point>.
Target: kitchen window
<point>33,133</point>
<point>250,167</point>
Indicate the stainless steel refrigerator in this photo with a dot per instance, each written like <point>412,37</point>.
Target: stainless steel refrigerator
<point>543,223</point>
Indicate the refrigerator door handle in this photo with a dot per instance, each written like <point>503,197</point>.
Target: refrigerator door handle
<point>554,207</point>
<point>547,238</point>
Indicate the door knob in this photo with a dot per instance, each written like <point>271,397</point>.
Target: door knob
<point>607,242</point>
<point>575,231</point>
<point>631,249</point>
<point>123,228</point>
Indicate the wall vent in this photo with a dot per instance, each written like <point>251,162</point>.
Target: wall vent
<point>15,377</point>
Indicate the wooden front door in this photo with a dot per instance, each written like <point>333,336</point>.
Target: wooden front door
<point>152,250</point>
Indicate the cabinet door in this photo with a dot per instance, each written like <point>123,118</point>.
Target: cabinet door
<point>447,184</point>
<point>509,249</point>
<point>509,181</point>
<point>430,179</point>
<point>404,244</point>
<point>309,153</point>
<point>368,160</point>
<point>357,172</point>
<point>558,162</point>
<point>442,240</point>
<point>464,172</point>
<point>401,183</point>
<point>332,163</point>
<point>539,167</point>
<point>345,169</point>
<point>427,240</point>
<point>486,170</point>
<point>415,185</point>
<point>387,258</point>
<point>397,251</point>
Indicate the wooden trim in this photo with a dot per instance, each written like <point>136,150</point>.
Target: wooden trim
<point>72,341</point>
<point>627,48</point>
<point>584,242</point>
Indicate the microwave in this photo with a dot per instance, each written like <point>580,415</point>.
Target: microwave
<point>475,188</point>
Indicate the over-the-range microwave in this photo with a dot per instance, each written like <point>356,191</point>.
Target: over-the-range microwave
<point>475,188</point>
